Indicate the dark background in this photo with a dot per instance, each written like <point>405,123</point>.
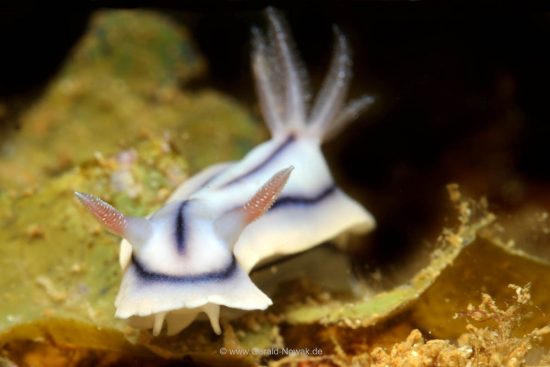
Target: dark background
<point>461,93</point>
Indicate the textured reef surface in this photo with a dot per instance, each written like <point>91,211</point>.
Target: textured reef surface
<point>119,121</point>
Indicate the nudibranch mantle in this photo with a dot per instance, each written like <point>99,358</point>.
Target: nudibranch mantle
<point>194,254</point>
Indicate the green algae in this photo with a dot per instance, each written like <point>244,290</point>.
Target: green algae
<point>488,265</point>
<point>470,259</point>
<point>472,217</point>
<point>57,263</point>
<point>123,81</point>
<point>114,122</point>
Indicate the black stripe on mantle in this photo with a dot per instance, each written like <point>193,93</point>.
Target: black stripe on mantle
<point>211,276</point>
<point>303,200</point>
<point>268,159</point>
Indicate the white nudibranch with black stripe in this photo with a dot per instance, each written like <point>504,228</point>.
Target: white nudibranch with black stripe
<point>194,254</point>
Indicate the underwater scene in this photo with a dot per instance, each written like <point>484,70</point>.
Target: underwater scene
<point>346,184</point>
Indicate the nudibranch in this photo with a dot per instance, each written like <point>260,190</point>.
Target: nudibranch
<point>195,253</point>
<point>182,261</point>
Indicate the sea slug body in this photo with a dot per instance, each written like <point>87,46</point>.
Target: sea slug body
<point>195,253</point>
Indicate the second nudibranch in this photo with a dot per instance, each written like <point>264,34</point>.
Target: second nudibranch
<point>194,254</point>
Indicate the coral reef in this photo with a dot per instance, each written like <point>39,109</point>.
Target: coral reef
<point>118,121</point>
